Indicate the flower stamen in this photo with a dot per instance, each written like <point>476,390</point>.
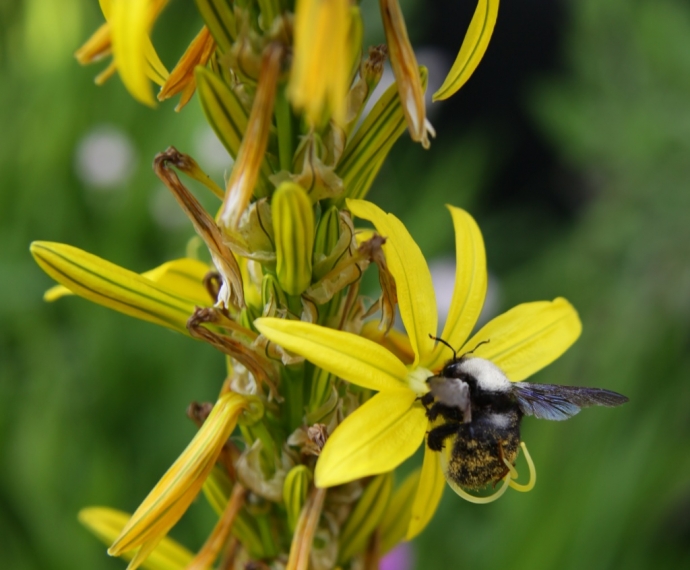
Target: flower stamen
<point>532,473</point>
<point>484,500</point>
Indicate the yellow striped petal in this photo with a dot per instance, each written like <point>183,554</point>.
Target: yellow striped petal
<point>416,296</point>
<point>173,494</point>
<point>223,109</point>
<point>375,438</point>
<point>428,495</point>
<point>365,517</point>
<point>183,277</point>
<point>367,149</point>
<point>220,19</point>
<point>472,50</point>
<point>396,520</point>
<point>349,356</point>
<point>528,337</point>
<point>107,523</point>
<point>112,286</point>
<point>470,286</point>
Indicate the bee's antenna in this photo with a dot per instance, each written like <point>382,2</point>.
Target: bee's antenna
<point>476,347</point>
<point>455,354</point>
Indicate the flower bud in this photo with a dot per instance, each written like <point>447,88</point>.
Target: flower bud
<point>295,491</point>
<point>293,224</point>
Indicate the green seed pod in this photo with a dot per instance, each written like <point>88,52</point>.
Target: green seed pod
<point>293,223</point>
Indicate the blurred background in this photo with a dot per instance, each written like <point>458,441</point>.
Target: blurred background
<point>571,147</point>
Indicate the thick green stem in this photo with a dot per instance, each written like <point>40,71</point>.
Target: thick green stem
<point>293,383</point>
<point>284,124</point>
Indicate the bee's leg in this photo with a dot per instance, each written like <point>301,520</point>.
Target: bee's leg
<point>502,459</point>
<point>427,400</point>
<point>439,434</point>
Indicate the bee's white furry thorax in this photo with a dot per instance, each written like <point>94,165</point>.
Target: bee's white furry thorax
<point>489,376</point>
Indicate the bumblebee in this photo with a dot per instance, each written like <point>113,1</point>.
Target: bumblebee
<point>481,411</point>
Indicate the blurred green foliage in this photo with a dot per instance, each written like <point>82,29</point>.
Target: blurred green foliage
<point>92,403</point>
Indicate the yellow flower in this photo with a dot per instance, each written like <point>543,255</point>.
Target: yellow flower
<point>322,63</point>
<point>108,523</point>
<point>176,490</point>
<point>389,427</point>
<point>126,35</point>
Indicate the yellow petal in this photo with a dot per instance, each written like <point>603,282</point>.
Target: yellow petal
<point>173,494</point>
<point>130,24</point>
<point>365,517</point>
<point>472,50</point>
<point>470,286</point>
<point>375,438</point>
<point>416,296</point>
<point>181,276</point>
<point>528,337</point>
<point>396,520</point>
<point>107,523</point>
<point>395,341</point>
<point>182,78</point>
<point>321,62</point>
<point>353,358</point>
<point>428,495</point>
<point>112,286</point>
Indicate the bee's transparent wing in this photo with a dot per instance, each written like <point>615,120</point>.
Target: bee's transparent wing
<point>552,402</point>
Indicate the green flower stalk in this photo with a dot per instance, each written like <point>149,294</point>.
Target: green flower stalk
<point>322,399</point>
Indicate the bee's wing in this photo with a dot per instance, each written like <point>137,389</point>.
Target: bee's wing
<point>552,402</point>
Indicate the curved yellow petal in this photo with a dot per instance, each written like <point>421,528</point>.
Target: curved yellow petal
<point>528,337</point>
<point>107,523</point>
<point>472,50</point>
<point>131,22</point>
<point>375,438</point>
<point>353,358</point>
<point>182,276</point>
<point>470,286</point>
<point>112,286</point>
<point>395,522</point>
<point>428,495</point>
<point>416,296</point>
<point>173,494</point>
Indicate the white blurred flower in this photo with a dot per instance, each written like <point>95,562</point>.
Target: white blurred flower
<point>105,158</point>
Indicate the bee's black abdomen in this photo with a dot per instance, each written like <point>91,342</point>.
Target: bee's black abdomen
<point>476,458</point>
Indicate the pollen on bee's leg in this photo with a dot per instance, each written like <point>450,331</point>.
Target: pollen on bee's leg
<point>532,473</point>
